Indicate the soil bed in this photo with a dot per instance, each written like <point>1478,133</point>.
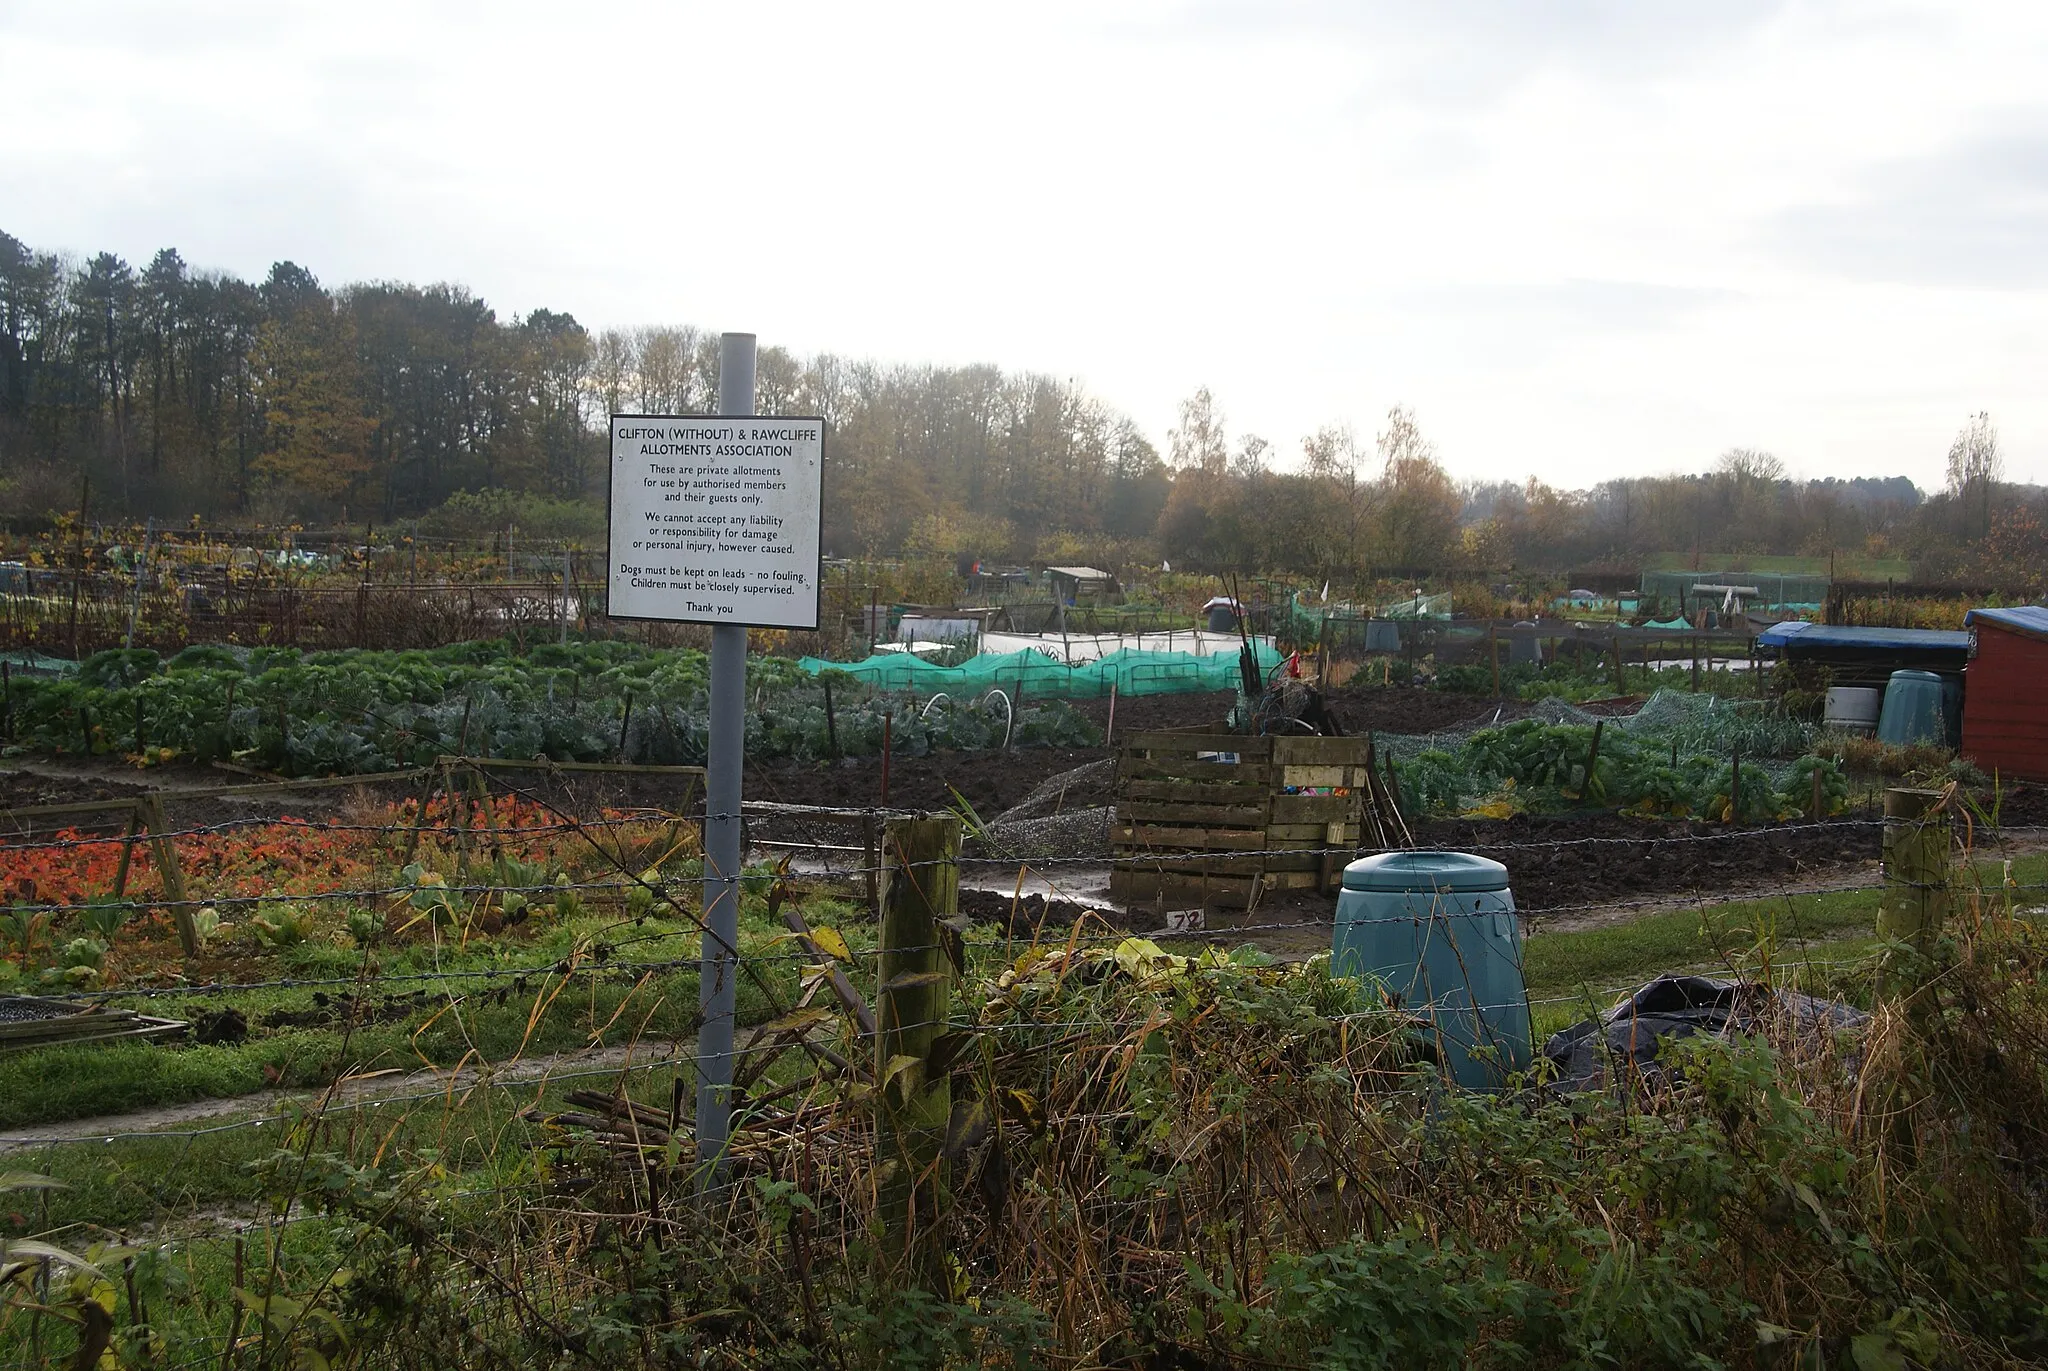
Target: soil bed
<point>1605,858</point>
<point>990,781</point>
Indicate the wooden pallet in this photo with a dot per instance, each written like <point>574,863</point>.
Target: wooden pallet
<point>65,1021</point>
<point>1223,829</point>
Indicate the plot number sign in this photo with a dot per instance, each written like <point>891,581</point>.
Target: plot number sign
<point>715,520</point>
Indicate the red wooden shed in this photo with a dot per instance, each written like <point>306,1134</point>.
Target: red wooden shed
<point>2005,691</point>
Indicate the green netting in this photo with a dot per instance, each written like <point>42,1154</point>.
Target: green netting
<point>1774,590</point>
<point>1694,723</point>
<point>36,661</point>
<point>1418,607</point>
<point>1132,673</point>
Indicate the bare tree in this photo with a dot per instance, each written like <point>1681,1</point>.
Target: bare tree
<point>1975,465</point>
<point>1249,460</point>
<point>1750,467</point>
<point>1198,442</point>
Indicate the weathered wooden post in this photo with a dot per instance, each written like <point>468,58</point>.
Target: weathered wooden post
<point>920,886</point>
<point>152,810</point>
<point>1916,846</point>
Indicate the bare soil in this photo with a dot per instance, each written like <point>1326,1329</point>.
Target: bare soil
<point>1561,862</point>
<point>990,781</point>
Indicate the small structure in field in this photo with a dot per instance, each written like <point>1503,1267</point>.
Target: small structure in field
<point>2005,716</point>
<point>1868,656</point>
<point>1078,585</point>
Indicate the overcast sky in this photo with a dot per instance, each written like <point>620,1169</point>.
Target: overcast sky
<point>1580,239</point>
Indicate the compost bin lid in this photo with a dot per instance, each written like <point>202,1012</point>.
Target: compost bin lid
<point>1430,871</point>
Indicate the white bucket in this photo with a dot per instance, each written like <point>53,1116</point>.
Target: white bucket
<point>1853,708</point>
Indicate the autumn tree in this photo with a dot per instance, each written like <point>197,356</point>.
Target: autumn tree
<point>1975,464</point>
<point>1419,504</point>
<point>316,433</point>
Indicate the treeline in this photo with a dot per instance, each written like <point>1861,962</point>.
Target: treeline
<point>181,393</point>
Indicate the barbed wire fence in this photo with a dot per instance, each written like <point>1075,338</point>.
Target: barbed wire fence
<point>845,867</point>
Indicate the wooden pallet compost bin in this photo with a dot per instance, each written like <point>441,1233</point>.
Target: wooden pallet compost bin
<point>1286,814</point>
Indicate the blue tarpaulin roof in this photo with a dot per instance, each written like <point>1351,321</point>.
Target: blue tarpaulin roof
<point>2028,619</point>
<point>1879,639</point>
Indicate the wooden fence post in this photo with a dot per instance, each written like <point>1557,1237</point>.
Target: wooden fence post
<point>152,807</point>
<point>1916,845</point>
<point>921,885</point>
<point>127,852</point>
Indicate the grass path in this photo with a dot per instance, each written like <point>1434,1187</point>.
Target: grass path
<point>382,1086</point>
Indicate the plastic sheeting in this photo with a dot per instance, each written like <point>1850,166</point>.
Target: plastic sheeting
<point>1131,672</point>
<point>1626,1039</point>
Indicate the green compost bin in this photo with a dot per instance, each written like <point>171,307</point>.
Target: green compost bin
<point>1915,710</point>
<point>1438,930</point>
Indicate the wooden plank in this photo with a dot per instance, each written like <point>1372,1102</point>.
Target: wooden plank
<point>1227,816</point>
<point>1200,839</point>
<point>1179,892</point>
<point>1316,775</point>
<point>1158,741</point>
<point>213,792</point>
<point>1192,792</point>
<point>514,763</point>
<point>1316,809</point>
<point>1318,751</point>
<point>1187,768</point>
<point>76,807</point>
<point>1309,835</point>
<point>1306,861</point>
<point>1214,864</point>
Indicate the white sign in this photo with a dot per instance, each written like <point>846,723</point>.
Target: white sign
<point>715,520</point>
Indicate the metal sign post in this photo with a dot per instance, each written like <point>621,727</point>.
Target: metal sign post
<point>715,520</point>
<point>717,982</point>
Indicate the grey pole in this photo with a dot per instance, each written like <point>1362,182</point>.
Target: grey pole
<point>718,980</point>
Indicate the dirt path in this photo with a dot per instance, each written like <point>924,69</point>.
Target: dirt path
<point>407,1085</point>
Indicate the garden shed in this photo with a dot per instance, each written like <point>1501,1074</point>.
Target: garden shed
<point>2005,717</point>
<point>1074,585</point>
<point>1868,656</point>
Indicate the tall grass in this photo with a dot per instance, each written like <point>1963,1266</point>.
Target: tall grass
<point>1158,1161</point>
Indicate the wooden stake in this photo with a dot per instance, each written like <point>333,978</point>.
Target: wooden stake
<point>1109,733</point>
<point>127,853</point>
<point>151,806</point>
<point>921,887</point>
<point>831,721</point>
<point>1735,784</point>
<point>1916,845</point>
<point>1592,757</point>
<point>887,720</point>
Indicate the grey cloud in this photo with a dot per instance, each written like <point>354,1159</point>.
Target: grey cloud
<point>1466,49</point>
<point>1570,306</point>
<point>1973,215</point>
